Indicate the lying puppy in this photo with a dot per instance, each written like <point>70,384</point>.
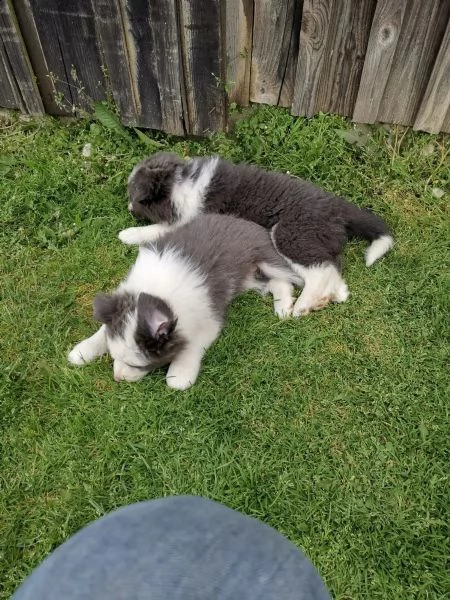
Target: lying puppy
<point>308,226</point>
<point>172,305</point>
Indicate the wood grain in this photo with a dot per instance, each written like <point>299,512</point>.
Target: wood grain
<point>333,42</point>
<point>8,93</point>
<point>70,56</point>
<point>239,27</point>
<point>164,20</point>
<point>434,111</point>
<point>203,51</point>
<point>110,31</point>
<point>383,40</point>
<point>274,51</point>
<point>19,87</point>
<point>421,33</point>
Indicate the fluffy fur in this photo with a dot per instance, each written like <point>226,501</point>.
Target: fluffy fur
<point>172,305</point>
<point>308,225</point>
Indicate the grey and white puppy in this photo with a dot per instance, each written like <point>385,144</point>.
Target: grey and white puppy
<point>308,225</point>
<point>171,307</point>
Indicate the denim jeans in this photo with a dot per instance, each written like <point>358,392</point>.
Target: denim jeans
<point>176,548</point>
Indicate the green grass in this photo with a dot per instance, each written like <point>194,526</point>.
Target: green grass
<point>332,428</point>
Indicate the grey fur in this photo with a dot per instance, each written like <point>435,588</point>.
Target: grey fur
<point>310,225</point>
<point>230,255</point>
<point>227,250</point>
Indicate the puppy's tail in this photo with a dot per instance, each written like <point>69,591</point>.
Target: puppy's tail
<point>365,224</point>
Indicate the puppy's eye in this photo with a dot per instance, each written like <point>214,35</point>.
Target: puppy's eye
<point>140,367</point>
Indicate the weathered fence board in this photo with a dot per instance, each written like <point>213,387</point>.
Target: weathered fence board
<point>333,43</point>
<point>169,64</point>
<point>19,89</point>
<point>141,47</point>
<point>41,69</point>
<point>71,56</point>
<point>239,27</point>
<point>8,89</point>
<point>276,26</point>
<point>416,51</point>
<point>108,18</point>
<point>7,93</point>
<point>434,112</point>
<point>204,70</point>
<point>152,40</point>
<point>383,41</point>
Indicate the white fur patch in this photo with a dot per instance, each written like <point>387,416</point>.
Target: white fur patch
<point>184,369</point>
<point>123,372</point>
<point>171,277</point>
<point>188,195</point>
<point>378,248</point>
<point>283,300</point>
<point>323,284</point>
<point>136,236</point>
<point>89,349</point>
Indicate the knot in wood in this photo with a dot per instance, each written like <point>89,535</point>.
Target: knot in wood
<point>386,34</point>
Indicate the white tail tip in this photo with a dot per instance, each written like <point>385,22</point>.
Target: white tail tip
<point>378,248</point>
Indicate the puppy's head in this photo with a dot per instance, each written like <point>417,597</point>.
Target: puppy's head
<point>140,332</point>
<point>149,187</point>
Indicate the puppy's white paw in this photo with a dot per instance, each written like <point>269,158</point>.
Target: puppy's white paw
<point>80,355</point>
<point>341,294</point>
<point>132,236</point>
<point>304,306</point>
<point>283,308</point>
<point>180,380</point>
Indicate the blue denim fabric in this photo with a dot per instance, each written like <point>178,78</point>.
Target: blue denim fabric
<point>177,548</point>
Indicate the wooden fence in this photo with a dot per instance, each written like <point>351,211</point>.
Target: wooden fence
<point>174,64</point>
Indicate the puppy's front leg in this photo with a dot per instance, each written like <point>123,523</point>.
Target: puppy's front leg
<point>135,236</point>
<point>184,369</point>
<point>87,350</point>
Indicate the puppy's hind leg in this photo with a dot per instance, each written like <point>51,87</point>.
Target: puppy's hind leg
<point>323,284</point>
<point>312,249</point>
<point>283,299</point>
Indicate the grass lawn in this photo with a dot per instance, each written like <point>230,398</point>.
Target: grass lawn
<point>332,428</point>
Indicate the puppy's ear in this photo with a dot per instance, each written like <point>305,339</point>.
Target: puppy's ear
<point>151,179</point>
<point>146,184</point>
<point>106,307</point>
<point>155,316</point>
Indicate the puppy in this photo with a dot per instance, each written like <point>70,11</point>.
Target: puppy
<point>172,305</point>
<point>308,225</point>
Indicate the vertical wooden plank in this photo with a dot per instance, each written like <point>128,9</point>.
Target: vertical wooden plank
<point>333,42</point>
<point>67,39</point>
<point>151,35</point>
<point>288,85</point>
<point>108,19</point>
<point>16,66</point>
<point>8,98</point>
<point>164,21</point>
<point>141,53</point>
<point>434,111</point>
<point>383,40</point>
<point>204,73</point>
<point>274,48</point>
<point>422,30</point>
<point>239,26</point>
<point>37,57</point>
